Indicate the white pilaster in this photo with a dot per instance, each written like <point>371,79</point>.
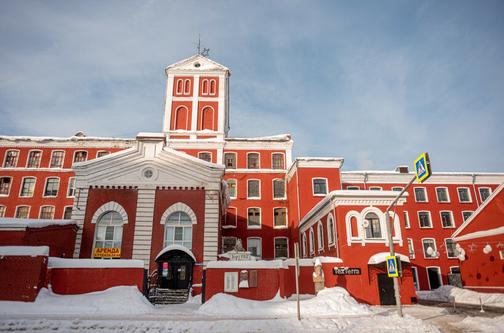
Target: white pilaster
<point>168,103</point>
<point>143,225</point>
<point>212,214</point>
<point>194,116</point>
<point>78,215</point>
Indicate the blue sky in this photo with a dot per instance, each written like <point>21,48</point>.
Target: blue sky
<point>375,82</point>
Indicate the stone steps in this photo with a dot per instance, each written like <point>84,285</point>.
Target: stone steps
<point>168,296</point>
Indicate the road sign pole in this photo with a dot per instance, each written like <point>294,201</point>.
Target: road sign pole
<point>397,289</point>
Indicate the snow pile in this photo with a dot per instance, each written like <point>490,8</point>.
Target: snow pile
<point>31,251</point>
<point>482,324</point>
<point>55,262</point>
<point>330,301</point>
<point>8,222</point>
<point>450,293</point>
<point>113,301</point>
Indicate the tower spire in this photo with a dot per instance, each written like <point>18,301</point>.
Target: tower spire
<point>203,52</point>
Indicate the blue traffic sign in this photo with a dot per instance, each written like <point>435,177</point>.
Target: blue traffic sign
<point>392,266</point>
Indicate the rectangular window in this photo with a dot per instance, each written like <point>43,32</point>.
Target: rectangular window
<point>230,282</point>
<point>57,157</point>
<point>463,194</point>
<point>424,219</point>
<point>254,218</point>
<point>406,220</point>
<point>71,187</point>
<point>397,188</point>
<point>280,215</point>
<point>102,153</point>
<point>353,188</point>
<point>466,214</point>
<point>67,214</point>
<point>22,212</point>
<point>278,189</point>
<point>253,161</point>
<point>447,220</point>
<point>5,183</point>
<point>205,156</point>
<point>420,194</point>
<point>254,247</point>
<point>52,187</point>
<point>2,211</point>
<point>253,189</point>
<point>27,187</point>
<point>484,193</point>
<point>11,158</point>
<point>411,249</point>
<point>231,218</point>
<point>277,161</point>
<point>281,247</point>
<point>80,156</point>
<point>228,244</point>
<point>429,248</point>
<point>47,213</point>
<point>454,270</point>
<point>232,188</point>
<point>230,160</point>
<point>375,188</point>
<point>319,186</point>
<point>34,159</point>
<point>442,194</point>
<point>450,248</point>
<point>415,277</point>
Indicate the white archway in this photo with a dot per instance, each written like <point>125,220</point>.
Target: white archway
<point>179,207</point>
<point>110,206</point>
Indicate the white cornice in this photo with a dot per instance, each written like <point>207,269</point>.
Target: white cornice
<point>206,65</point>
<point>71,142</point>
<point>391,177</point>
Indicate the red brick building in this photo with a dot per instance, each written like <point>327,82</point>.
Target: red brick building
<point>178,199</point>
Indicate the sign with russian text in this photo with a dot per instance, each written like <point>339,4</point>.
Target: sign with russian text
<point>422,167</point>
<point>346,271</point>
<point>102,252</point>
<point>392,269</point>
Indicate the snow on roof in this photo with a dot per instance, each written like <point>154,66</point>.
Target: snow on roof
<point>382,257</point>
<point>249,264</point>
<point>60,139</point>
<point>178,248</point>
<point>319,158</point>
<point>94,263</point>
<point>13,223</point>
<point>279,137</point>
<point>194,159</point>
<point>151,135</point>
<point>311,261</point>
<point>32,251</point>
<point>438,173</point>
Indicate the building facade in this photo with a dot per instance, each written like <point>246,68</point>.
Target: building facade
<point>179,199</point>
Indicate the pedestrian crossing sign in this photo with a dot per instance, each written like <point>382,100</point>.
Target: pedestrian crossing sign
<point>422,167</point>
<point>392,269</point>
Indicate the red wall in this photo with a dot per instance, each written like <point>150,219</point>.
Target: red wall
<point>22,277</point>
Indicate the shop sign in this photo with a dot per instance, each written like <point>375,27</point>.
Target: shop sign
<point>239,255</point>
<point>101,252</point>
<point>346,271</point>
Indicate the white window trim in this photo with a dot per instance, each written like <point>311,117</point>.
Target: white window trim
<point>286,218</point>
<point>451,216</point>
<point>254,198</point>
<point>110,206</point>
<point>214,80</point>
<point>486,188</point>
<point>28,158</point>
<point>312,241</point>
<point>21,187</point>
<point>439,274</point>
<point>177,91</point>
<point>412,247</point>
<point>320,236</point>
<point>10,186</point>
<point>446,247</point>
<point>45,185</point>
<point>203,93</point>
<point>5,158</point>
<point>233,286</point>
<point>406,219</point>
<point>273,189</point>
<point>40,211</point>
<point>414,271</point>
<point>64,208</point>
<point>274,247</point>
<point>18,206</point>
<point>430,219</point>
<point>260,245</point>
<point>205,152</point>
<point>283,159</point>
<point>258,160</point>
<point>425,255</point>
<point>235,158</point>
<point>79,151</point>
<point>447,194</point>
<point>235,219</point>
<point>468,194</point>
<point>313,187</point>
<point>466,211</point>
<point>68,188</point>
<point>260,219</point>
<point>328,219</point>
<point>425,192</point>
<point>62,159</point>
<point>375,188</point>
<point>236,188</point>
<point>187,93</point>
<point>304,244</point>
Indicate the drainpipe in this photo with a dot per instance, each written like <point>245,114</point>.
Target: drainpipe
<point>298,201</point>
<point>474,189</point>
<point>365,180</point>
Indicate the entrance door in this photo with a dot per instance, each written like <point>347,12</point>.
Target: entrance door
<point>386,287</point>
<point>434,277</point>
<point>175,270</point>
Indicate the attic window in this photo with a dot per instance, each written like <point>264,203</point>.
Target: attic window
<point>197,64</point>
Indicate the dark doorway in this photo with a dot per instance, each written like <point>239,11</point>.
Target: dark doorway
<point>434,277</point>
<point>175,270</point>
<point>386,287</point>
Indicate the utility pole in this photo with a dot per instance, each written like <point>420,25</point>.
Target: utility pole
<point>296,255</point>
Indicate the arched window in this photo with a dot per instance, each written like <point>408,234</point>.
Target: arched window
<point>372,225</point>
<point>305,246</point>
<point>180,84</point>
<point>207,119</point>
<point>212,87</point>
<point>109,230</point>
<point>187,87</point>
<point>320,236</point>
<point>178,230</point>
<point>330,230</point>
<point>204,87</point>
<point>181,118</point>
<point>312,241</point>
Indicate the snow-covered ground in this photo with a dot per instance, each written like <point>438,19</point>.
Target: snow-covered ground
<point>450,293</point>
<point>124,309</point>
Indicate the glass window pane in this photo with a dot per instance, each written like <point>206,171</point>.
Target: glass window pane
<point>179,231</point>
<point>109,233</point>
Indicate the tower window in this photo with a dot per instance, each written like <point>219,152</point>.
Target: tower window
<point>207,118</point>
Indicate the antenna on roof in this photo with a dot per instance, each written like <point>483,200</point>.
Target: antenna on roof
<point>205,50</point>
